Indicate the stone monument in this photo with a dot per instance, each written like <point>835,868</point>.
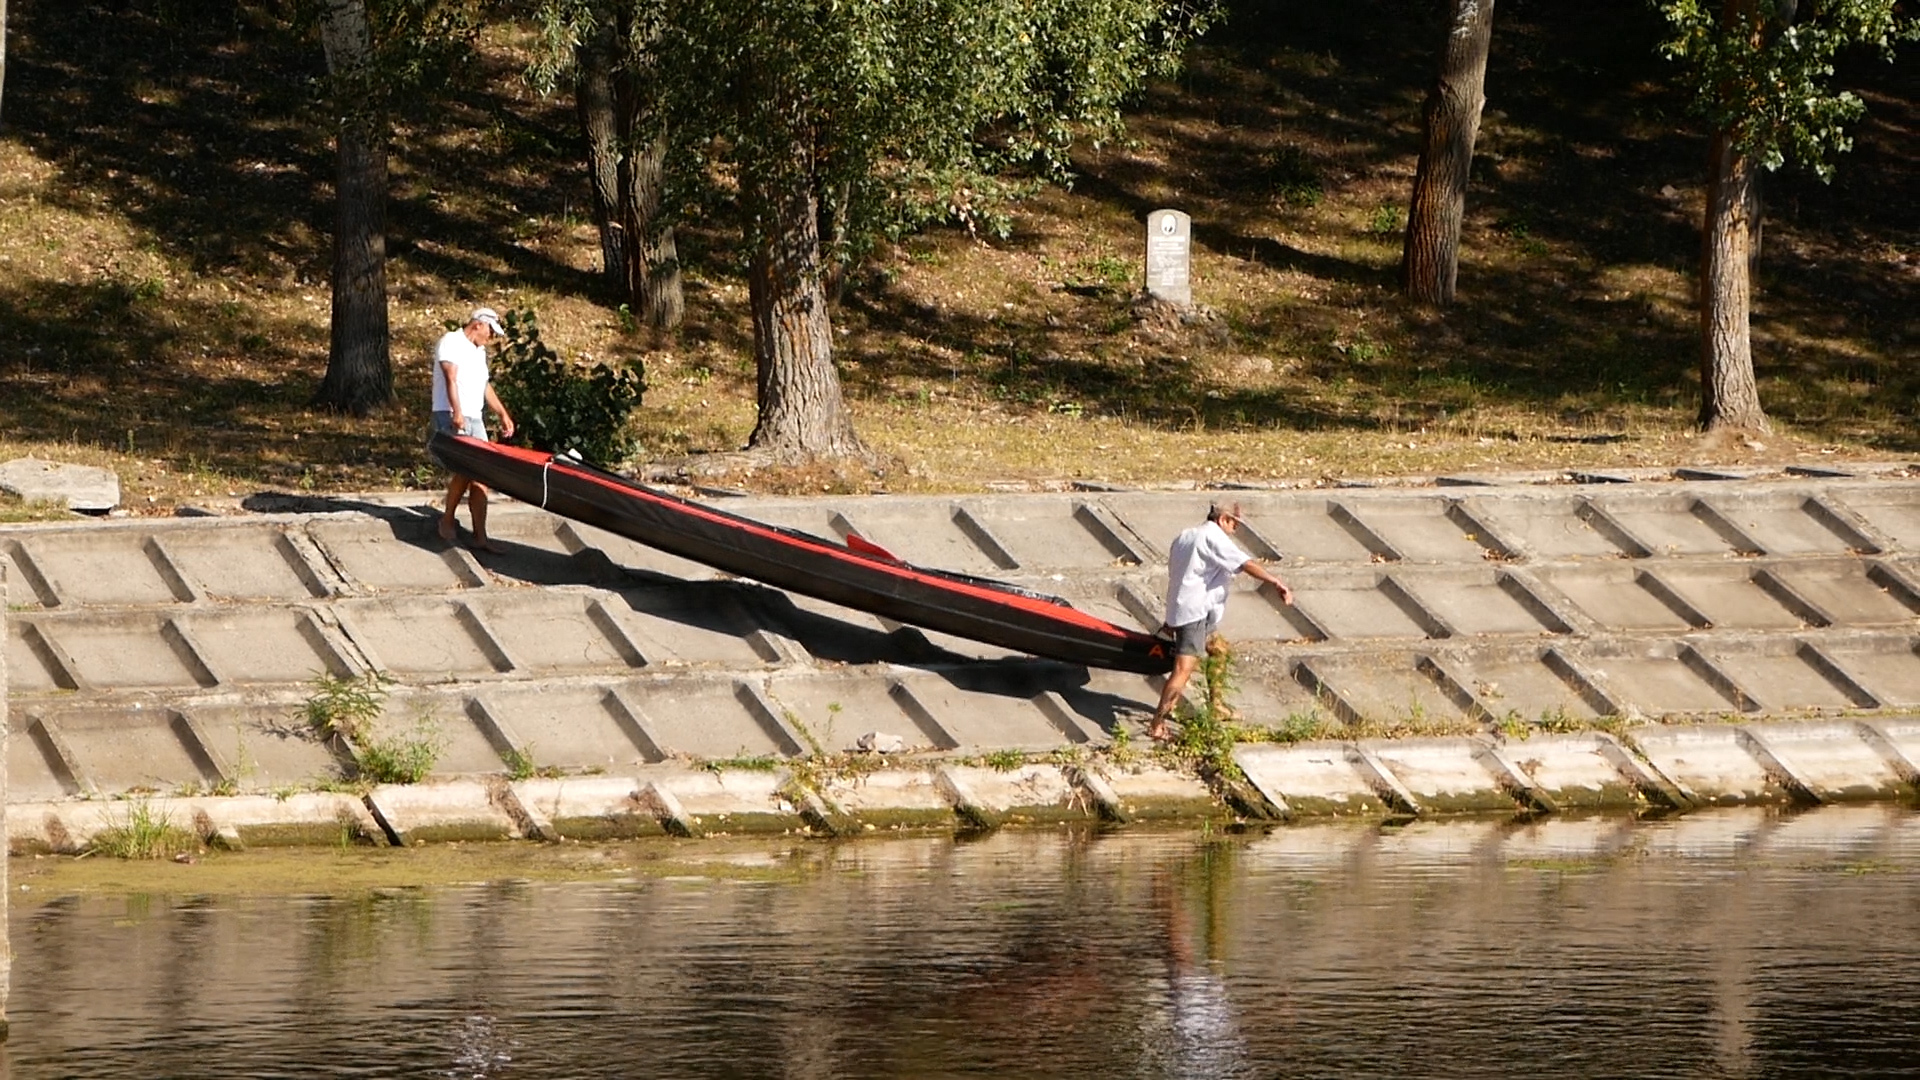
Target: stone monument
<point>1169,241</point>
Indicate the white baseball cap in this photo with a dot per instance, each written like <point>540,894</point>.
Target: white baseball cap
<point>490,317</point>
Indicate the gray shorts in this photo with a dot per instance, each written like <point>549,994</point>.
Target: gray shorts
<point>1191,639</point>
<point>472,426</point>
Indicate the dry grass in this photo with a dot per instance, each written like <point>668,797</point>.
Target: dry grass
<point>163,252</point>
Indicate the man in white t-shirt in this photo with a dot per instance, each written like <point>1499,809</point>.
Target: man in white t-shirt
<point>462,391</point>
<point>1201,564</point>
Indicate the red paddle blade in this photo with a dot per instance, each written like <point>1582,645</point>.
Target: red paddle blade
<point>856,542</point>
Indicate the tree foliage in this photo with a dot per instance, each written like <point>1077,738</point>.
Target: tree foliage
<point>1762,71</point>
<point>561,406</point>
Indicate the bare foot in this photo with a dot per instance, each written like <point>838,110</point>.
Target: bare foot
<point>1159,733</point>
<point>481,543</point>
<point>446,530</point>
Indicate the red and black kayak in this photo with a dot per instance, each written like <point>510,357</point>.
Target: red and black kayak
<point>857,574</point>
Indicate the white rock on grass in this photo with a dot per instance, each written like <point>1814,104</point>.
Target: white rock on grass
<point>85,488</point>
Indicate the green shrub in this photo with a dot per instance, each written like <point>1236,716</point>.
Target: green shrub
<point>559,405</point>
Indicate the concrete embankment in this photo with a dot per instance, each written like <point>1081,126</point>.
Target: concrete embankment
<point>1656,640</point>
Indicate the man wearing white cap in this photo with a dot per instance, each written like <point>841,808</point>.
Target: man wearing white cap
<point>1201,563</point>
<point>462,391</point>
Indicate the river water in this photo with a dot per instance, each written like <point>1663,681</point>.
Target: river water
<point>1740,943</point>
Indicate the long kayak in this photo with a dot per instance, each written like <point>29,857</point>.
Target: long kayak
<point>857,574</point>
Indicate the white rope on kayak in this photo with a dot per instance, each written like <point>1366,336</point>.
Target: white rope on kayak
<point>543,482</point>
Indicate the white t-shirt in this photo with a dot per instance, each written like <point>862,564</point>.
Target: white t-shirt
<point>470,374</point>
<point>1200,568</point>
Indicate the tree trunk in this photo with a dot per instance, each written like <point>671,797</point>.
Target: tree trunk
<point>593,100</point>
<point>359,375</point>
<point>652,254</point>
<point>1729,396</point>
<point>1430,257</point>
<point>802,411</point>
<point>3,49</point>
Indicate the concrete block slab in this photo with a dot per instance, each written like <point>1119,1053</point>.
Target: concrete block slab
<point>1894,512</point>
<point>1576,771</point>
<point>1444,775</point>
<point>708,719</point>
<point>1660,679</point>
<point>588,807</point>
<point>538,548</point>
<point>1852,592</point>
<point>1025,794</point>
<point>1790,523</point>
<point>1480,602</point>
<point>1674,523</point>
<point>940,535</point>
<point>88,489</point>
<point>1310,779</point>
<point>1711,764</point>
<point>1888,668</point>
<point>120,750</point>
<point>1357,607</point>
<point>243,563</point>
<point>1556,527</point>
<point>304,818</point>
<point>1831,759</point>
<point>891,798</point>
<point>1622,597</point>
<point>255,644</point>
<point>1533,686</point>
<point>1734,597</point>
<point>1048,533</point>
<point>399,555</point>
<point>263,746</point>
<point>36,769</point>
<point>981,711</point>
<point>1146,793</point>
<point>449,721</point>
<point>1426,528</point>
<point>555,631</point>
<point>733,800</point>
<point>635,557</point>
<point>703,623</point>
<point>1392,690</point>
<point>1310,529</point>
<point>31,667</point>
<point>837,709</point>
<point>423,639</point>
<point>125,651</point>
<point>1786,675</point>
<point>569,726</point>
<point>98,568</point>
<point>439,812</point>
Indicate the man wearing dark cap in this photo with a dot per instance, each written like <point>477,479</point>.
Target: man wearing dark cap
<point>1201,564</point>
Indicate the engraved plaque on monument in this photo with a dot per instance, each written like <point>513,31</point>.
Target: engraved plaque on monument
<point>1169,232</point>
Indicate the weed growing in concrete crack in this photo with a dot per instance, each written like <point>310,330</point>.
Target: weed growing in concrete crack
<point>1120,749</point>
<point>1004,760</point>
<point>1207,734</point>
<point>743,763</point>
<point>143,833</point>
<point>343,708</point>
<point>405,758</point>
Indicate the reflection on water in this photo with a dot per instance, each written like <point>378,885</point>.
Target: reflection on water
<point>1726,944</point>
